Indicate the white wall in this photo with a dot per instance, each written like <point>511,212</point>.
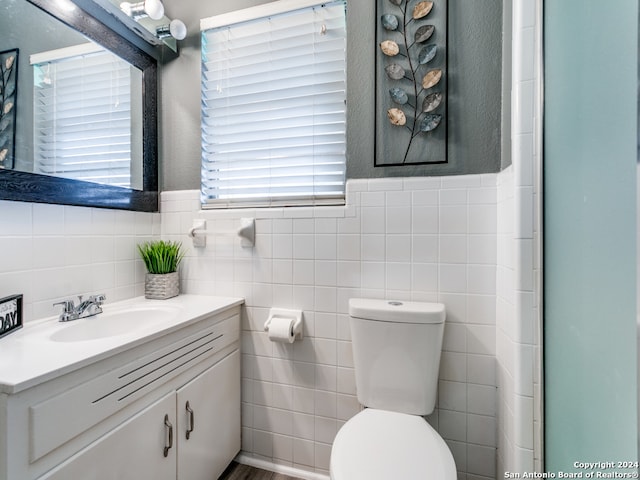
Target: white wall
<point>428,239</point>
<point>52,252</point>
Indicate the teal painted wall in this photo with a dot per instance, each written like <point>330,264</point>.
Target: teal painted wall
<point>590,155</point>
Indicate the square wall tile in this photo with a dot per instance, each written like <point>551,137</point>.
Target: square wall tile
<point>453,278</point>
<point>283,447</point>
<point>481,399</point>
<point>481,369</point>
<point>262,443</point>
<point>453,219</point>
<point>304,452</point>
<point>481,279</point>
<point>326,247</point>
<point>482,219</point>
<point>373,248</point>
<point>373,220</point>
<point>322,456</point>
<point>398,276</point>
<point>482,249</point>
<point>424,277</point>
<point>481,460</point>
<point>453,367</point>
<point>452,425</point>
<point>481,430</point>
<point>398,248</point>
<point>424,220</point>
<point>398,220</point>
<point>453,248</point>
<point>303,426</point>
<point>348,247</point>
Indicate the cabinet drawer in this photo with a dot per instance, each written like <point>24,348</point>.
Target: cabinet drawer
<point>59,419</point>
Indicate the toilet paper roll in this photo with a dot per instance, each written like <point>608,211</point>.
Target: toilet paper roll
<point>281,330</point>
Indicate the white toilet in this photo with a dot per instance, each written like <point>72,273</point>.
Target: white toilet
<point>396,352</point>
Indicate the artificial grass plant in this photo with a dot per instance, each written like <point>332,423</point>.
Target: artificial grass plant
<point>161,256</point>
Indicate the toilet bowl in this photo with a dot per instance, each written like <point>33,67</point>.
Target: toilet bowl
<point>383,445</point>
<point>396,353</point>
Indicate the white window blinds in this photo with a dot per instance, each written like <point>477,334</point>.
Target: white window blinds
<point>82,115</point>
<point>273,108</point>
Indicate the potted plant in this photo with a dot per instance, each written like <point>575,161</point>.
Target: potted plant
<point>162,259</point>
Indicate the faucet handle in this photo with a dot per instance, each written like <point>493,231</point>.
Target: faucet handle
<point>69,310</point>
<point>99,299</point>
<point>68,305</point>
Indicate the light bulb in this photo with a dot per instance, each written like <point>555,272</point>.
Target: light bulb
<point>178,29</point>
<point>149,8</point>
<point>126,8</point>
<point>66,5</point>
<point>154,8</point>
<point>133,10</point>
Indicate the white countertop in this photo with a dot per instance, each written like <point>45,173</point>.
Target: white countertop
<point>29,356</point>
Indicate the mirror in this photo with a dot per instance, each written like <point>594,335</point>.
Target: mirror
<point>119,149</point>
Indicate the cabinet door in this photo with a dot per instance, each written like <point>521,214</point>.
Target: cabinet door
<point>135,450</point>
<point>211,420</point>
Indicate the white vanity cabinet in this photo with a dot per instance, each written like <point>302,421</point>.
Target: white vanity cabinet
<point>193,431</point>
<point>165,409</point>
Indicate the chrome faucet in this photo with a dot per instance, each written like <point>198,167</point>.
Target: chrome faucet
<point>86,308</point>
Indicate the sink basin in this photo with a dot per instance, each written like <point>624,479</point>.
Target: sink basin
<point>113,323</point>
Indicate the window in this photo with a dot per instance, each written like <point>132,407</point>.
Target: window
<point>273,105</point>
<point>82,115</point>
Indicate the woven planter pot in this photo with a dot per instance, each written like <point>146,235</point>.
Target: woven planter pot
<point>161,286</point>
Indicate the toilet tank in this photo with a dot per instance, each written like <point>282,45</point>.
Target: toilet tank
<point>396,353</point>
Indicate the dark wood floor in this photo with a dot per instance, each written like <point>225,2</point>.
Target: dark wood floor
<point>237,471</point>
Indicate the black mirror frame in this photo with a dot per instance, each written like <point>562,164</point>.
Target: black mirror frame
<point>32,187</point>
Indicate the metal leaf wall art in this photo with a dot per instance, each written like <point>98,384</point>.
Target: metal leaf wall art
<point>411,85</point>
<point>8,96</point>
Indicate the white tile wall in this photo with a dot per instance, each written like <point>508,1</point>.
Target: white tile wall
<point>296,397</point>
<point>519,260</point>
<point>432,239</point>
<point>52,252</point>
<point>427,239</point>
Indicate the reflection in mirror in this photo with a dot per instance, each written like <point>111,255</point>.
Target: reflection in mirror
<point>78,106</point>
<point>145,25</point>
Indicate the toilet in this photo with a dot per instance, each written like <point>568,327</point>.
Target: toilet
<point>396,353</point>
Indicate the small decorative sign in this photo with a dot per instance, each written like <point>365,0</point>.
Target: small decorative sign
<point>10,314</point>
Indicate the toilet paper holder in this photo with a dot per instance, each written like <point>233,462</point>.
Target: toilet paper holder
<point>288,314</point>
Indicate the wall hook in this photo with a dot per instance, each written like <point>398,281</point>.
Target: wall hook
<point>247,232</point>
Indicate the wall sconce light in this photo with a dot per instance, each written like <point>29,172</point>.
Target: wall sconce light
<point>176,29</point>
<point>147,19</point>
<point>66,5</point>
<point>148,8</point>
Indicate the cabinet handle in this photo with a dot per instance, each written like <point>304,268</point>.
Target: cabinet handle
<point>169,429</point>
<point>192,422</point>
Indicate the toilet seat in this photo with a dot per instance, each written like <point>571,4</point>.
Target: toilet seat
<point>382,445</point>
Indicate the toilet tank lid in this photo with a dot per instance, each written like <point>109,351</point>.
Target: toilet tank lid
<point>396,311</point>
